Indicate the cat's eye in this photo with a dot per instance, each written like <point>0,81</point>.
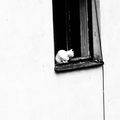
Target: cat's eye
<point>77,27</point>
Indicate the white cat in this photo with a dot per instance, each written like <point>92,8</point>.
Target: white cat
<point>63,56</point>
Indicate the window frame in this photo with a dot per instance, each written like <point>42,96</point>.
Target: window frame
<point>96,59</point>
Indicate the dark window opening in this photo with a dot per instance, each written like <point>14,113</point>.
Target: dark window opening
<point>76,27</point>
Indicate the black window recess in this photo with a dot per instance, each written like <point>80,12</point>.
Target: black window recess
<point>77,27</point>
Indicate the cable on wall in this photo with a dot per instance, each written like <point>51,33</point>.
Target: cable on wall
<point>103,85</point>
<point>103,80</point>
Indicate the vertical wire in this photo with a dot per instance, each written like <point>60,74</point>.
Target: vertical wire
<point>103,85</point>
<point>103,77</point>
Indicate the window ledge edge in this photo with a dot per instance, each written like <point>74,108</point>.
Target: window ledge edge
<point>78,65</point>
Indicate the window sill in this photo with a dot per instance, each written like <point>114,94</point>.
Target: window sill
<point>78,65</point>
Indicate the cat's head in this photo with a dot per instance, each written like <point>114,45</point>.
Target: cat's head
<point>70,53</point>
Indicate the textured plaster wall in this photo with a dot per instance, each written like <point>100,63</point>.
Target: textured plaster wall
<point>110,24</point>
<point>29,87</point>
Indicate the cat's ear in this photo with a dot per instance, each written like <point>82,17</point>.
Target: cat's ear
<point>71,49</point>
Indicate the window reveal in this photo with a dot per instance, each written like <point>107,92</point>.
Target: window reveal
<point>75,27</point>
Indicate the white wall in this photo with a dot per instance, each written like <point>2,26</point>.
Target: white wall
<point>29,87</point>
<point>111,51</point>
